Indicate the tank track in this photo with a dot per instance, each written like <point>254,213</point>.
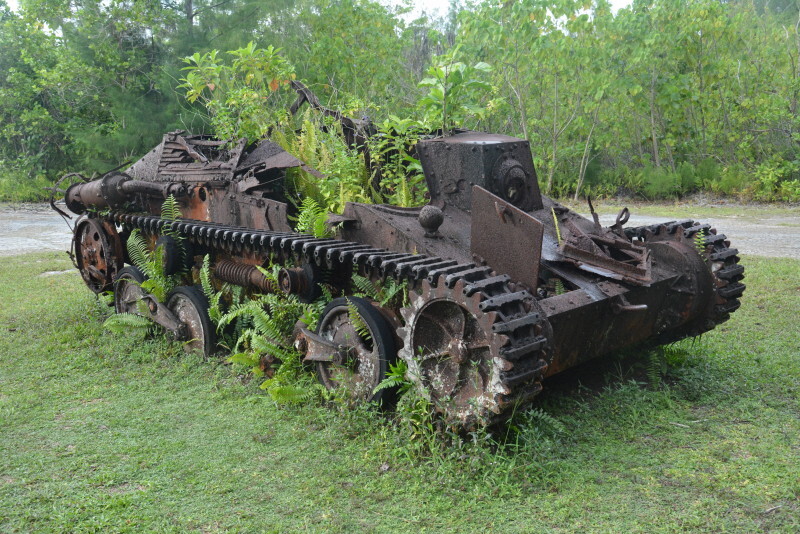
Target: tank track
<point>725,268</point>
<point>523,356</point>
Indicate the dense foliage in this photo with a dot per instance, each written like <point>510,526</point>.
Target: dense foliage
<point>661,99</point>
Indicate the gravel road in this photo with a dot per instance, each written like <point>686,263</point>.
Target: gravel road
<point>35,227</point>
<point>772,236</point>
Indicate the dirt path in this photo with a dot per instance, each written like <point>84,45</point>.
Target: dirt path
<point>35,227</point>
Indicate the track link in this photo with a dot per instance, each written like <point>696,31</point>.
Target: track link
<point>519,330</point>
<point>723,262</point>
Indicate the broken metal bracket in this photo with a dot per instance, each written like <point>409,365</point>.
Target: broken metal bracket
<point>160,314</point>
<point>319,349</point>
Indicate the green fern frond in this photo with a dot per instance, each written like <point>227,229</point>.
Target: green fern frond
<point>158,286</point>
<point>244,358</point>
<point>287,394</point>
<point>263,346</point>
<point>558,285</point>
<point>384,293</point>
<point>270,274</point>
<point>656,367</point>
<point>700,242</point>
<point>137,249</point>
<point>364,287</point>
<point>358,322</point>
<point>239,310</point>
<point>395,378</point>
<point>205,277</point>
<point>542,418</point>
<point>122,322</point>
<point>392,289</point>
<point>327,295</point>
<point>266,326</point>
<point>170,209</point>
<point>312,218</point>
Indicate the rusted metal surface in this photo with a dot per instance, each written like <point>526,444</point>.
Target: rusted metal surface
<point>606,254</point>
<point>242,274</point>
<point>500,164</point>
<point>352,348</point>
<point>319,349</point>
<point>495,224</point>
<point>506,286</point>
<point>98,253</point>
<point>197,158</point>
<point>399,229</point>
<point>115,189</point>
<point>474,352</point>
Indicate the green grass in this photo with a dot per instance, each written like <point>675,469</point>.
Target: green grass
<point>102,432</point>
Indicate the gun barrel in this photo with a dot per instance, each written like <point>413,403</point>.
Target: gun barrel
<point>113,190</point>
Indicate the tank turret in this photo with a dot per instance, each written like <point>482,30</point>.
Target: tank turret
<point>498,163</point>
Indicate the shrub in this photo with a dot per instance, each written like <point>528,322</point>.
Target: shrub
<point>707,172</point>
<point>688,177</point>
<point>732,180</point>
<point>18,186</point>
<point>789,191</point>
<point>658,182</point>
<point>770,176</point>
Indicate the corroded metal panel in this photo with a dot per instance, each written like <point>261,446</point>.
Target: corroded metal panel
<point>496,224</point>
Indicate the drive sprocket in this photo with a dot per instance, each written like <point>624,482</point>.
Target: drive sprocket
<point>474,348</point>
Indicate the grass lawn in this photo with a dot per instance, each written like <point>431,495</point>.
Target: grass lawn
<point>105,432</point>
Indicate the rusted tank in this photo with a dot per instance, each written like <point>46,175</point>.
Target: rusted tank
<point>506,286</point>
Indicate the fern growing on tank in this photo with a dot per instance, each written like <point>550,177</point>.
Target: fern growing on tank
<point>269,321</point>
<point>151,262</point>
<point>389,293</point>
<point>311,219</point>
<point>358,323</point>
<point>700,243</point>
<point>219,301</point>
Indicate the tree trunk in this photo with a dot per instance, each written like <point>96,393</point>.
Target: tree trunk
<point>522,111</point>
<point>188,8</point>
<point>551,171</point>
<point>585,158</point>
<point>653,130</point>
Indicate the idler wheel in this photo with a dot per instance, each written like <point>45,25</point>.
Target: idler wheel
<point>366,349</point>
<point>301,281</point>
<point>98,253</point>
